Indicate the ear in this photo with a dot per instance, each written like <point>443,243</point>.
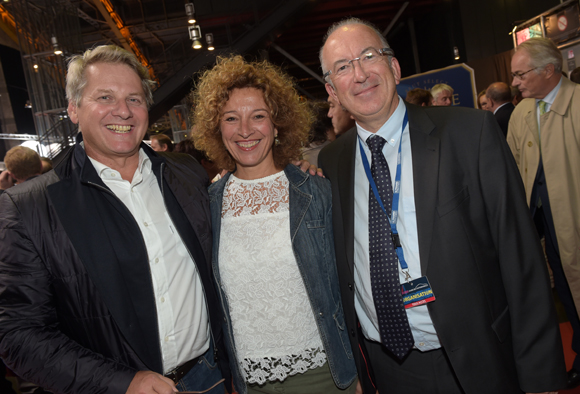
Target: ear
<point>331,92</point>
<point>72,112</point>
<point>549,70</point>
<point>396,70</point>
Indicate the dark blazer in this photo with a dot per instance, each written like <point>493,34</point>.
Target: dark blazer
<point>493,310</point>
<point>77,308</point>
<point>503,116</point>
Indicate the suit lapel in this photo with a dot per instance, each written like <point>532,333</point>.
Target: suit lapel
<point>345,179</point>
<point>425,151</point>
<point>532,122</point>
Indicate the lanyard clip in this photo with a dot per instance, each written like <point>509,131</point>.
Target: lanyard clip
<point>407,276</point>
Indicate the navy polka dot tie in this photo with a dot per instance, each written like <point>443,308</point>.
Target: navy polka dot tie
<point>384,265</point>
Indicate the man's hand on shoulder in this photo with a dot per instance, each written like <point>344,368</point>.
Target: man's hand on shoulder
<point>306,166</point>
<point>148,382</point>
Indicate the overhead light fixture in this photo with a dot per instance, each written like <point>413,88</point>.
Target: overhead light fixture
<point>190,11</point>
<point>35,67</point>
<point>209,41</point>
<point>57,50</point>
<point>456,53</point>
<point>195,36</point>
<point>28,104</point>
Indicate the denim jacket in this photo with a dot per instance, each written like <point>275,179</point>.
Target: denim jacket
<point>313,246</point>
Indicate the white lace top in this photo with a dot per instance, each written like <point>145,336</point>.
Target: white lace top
<point>274,328</point>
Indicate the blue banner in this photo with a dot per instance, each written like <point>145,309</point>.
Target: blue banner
<point>460,77</point>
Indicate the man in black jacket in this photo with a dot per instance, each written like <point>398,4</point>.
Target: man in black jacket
<point>104,262</point>
<point>499,98</point>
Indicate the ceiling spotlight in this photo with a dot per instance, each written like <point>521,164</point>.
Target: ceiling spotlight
<point>35,67</point>
<point>195,36</point>
<point>190,11</point>
<point>209,40</point>
<point>456,53</point>
<point>28,104</point>
<point>57,50</point>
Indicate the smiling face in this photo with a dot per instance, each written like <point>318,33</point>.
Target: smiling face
<point>369,94</point>
<point>248,133</point>
<point>112,114</point>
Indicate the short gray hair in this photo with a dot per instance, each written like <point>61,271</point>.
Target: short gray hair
<point>440,87</point>
<point>76,79</point>
<point>351,21</point>
<point>542,51</point>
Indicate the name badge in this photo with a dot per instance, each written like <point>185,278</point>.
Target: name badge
<point>417,292</point>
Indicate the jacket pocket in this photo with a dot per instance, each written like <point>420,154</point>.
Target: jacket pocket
<point>314,224</point>
<point>448,206</point>
<point>502,325</point>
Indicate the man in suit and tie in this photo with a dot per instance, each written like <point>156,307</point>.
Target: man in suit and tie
<point>430,198</point>
<point>499,101</point>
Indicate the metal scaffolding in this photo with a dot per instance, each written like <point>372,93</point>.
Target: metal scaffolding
<point>43,29</point>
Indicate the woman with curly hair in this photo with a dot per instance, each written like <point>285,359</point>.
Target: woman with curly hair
<point>273,254</point>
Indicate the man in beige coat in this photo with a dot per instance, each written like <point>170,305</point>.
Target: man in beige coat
<point>544,136</point>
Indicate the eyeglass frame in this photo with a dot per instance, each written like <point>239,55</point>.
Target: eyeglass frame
<point>382,52</point>
<point>520,75</point>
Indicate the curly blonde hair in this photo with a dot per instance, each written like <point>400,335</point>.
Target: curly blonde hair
<point>290,115</point>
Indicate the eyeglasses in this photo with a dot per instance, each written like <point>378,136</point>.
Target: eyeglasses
<point>369,57</point>
<point>520,76</point>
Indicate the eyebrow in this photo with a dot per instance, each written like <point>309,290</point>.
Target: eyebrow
<point>346,61</point>
<point>111,91</point>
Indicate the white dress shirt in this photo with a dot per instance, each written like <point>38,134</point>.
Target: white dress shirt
<point>182,315</point>
<point>421,324</point>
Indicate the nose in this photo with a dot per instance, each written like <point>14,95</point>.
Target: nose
<point>515,82</point>
<point>360,74</point>
<point>246,129</point>
<point>122,110</point>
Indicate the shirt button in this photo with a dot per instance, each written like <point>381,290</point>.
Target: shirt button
<point>145,224</point>
<point>156,260</point>
<point>392,140</point>
<point>166,339</point>
<point>421,344</point>
<point>113,174</point>
<point>530,143</point>
<point>162,299</point>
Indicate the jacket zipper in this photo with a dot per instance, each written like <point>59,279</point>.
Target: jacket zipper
<point>148,265</point>
<point>215,350</point>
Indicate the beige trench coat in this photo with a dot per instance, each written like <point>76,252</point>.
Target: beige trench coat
<point>561,156</point>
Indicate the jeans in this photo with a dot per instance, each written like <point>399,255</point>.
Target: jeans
<point>203,375</point>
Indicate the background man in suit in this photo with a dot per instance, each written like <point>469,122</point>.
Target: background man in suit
<point>104,262</point>
<point>499,101</point>
<point>341,120</point>
<point>442,95</point>
<point>161,143</point>
<point>544,131</point>
<point>462,222</point>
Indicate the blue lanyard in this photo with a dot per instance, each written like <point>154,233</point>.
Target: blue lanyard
<point>396,192</point>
